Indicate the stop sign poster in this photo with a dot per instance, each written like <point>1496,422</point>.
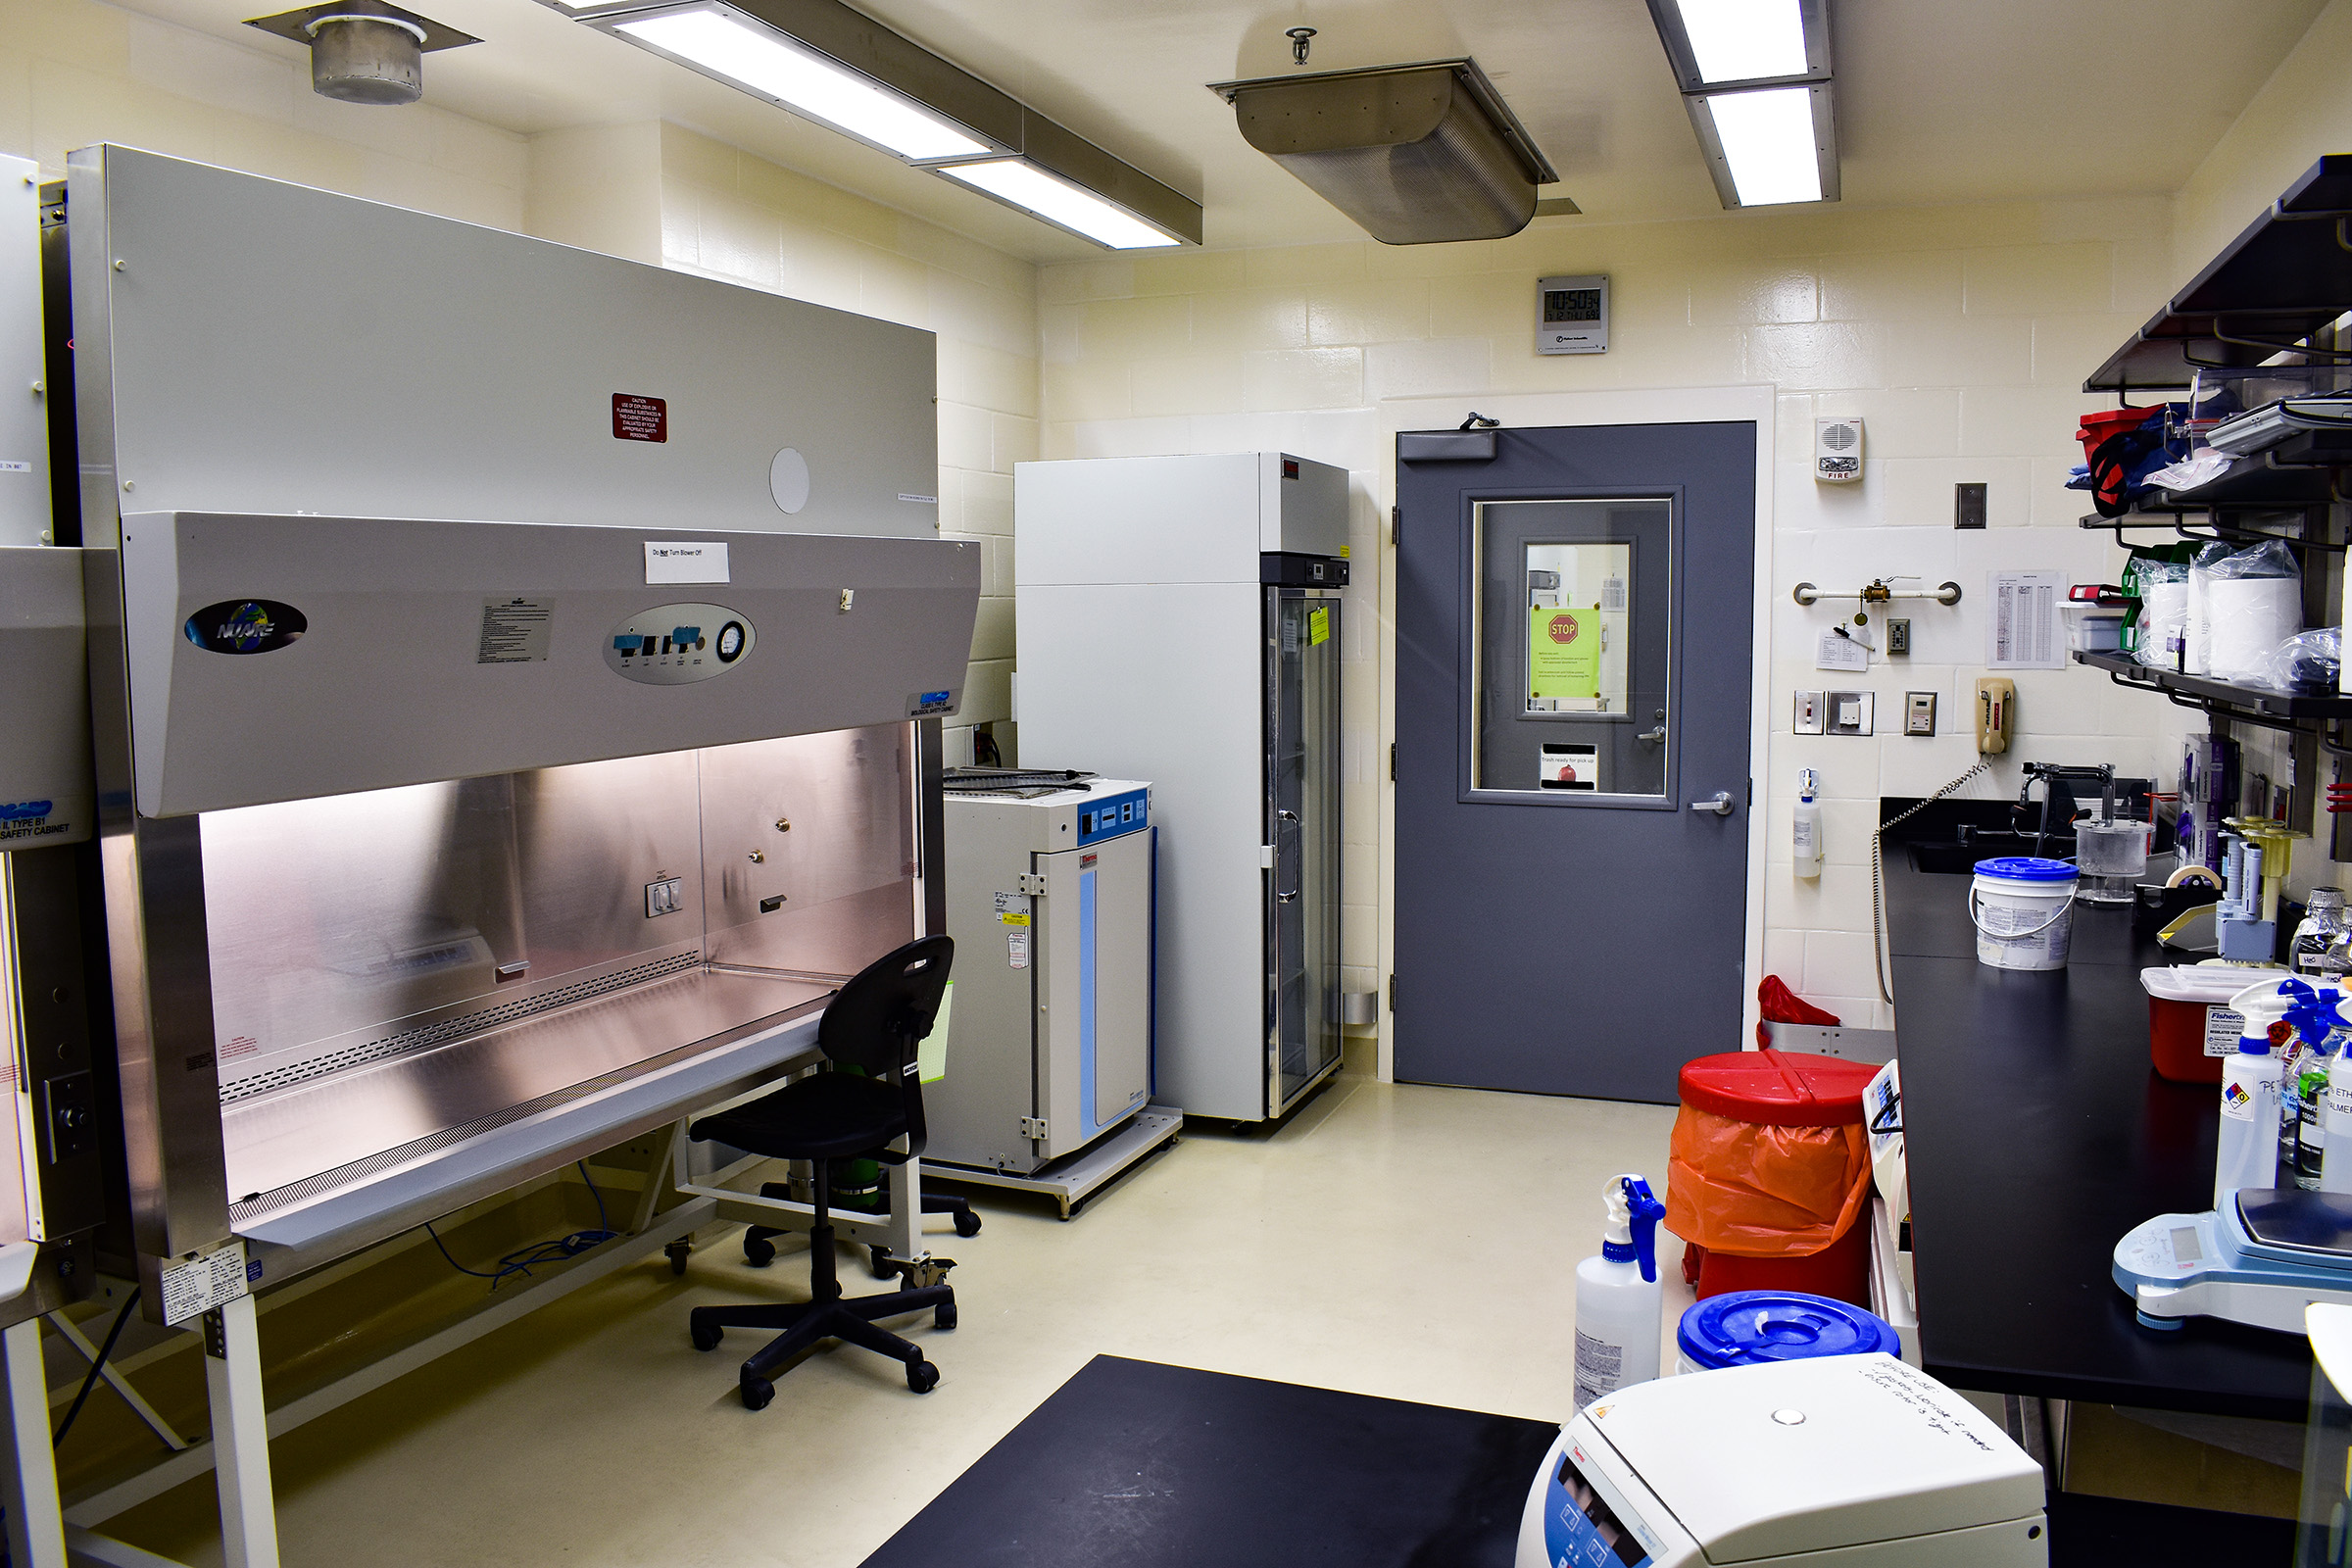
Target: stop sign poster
<point>1563,650</point>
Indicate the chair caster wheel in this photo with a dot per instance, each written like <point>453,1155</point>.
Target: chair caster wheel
<point>944,1317</point>
<point>758,1251</point>
<point>879,1264</point>
<point>921,1376</point>
<point>757,1393</point>
<point>704,1339</point>
<point>676,1253</point>
<point>967,1223</point>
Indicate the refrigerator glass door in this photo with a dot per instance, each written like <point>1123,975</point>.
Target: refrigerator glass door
<point>1302,764</point>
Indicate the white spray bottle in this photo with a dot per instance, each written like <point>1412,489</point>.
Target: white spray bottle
<point>1618,1296</point>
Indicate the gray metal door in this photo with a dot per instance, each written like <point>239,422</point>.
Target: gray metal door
<point>1573,662</point>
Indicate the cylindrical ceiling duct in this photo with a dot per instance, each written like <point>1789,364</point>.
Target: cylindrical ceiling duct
<point>366,58</point>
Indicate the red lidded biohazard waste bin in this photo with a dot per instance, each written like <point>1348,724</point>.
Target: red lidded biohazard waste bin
<point>1769,1178</point>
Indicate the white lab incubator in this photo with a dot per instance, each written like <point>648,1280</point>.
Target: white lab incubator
<point>1857,1460</point>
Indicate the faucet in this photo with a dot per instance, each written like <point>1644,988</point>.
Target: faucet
<point>2058,795</point>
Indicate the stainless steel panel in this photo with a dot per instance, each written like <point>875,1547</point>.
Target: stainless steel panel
<point>232,338</point>
<point>23,393</point>
<point>359,926</point>
<point>843,867</point>
<point>279,1140</point>
<point>46,793</point>
<point>389,684</point>
<point>56,1124</point>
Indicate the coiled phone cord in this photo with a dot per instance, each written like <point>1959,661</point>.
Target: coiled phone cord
<point>1877,889</point>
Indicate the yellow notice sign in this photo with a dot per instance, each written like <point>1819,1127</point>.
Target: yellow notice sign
<point>1318,627</point>
<point>1563,652</point>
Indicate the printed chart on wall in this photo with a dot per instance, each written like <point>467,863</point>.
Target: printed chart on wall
<point>2023,629</point>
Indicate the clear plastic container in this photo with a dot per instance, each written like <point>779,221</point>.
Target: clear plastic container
<point>2111,857</point>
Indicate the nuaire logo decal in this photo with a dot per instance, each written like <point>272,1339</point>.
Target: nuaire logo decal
<point>245,626</point>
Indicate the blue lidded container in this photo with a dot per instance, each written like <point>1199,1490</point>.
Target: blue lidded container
<point>2027,868</point>
<point>1747,1328</point>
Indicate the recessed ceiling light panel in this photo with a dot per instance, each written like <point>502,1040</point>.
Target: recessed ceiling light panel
<point>717,42</point>
<point>1023,184</point>
<point>1714,43</point>
<point>845,70</point>
<point>1768,146</point>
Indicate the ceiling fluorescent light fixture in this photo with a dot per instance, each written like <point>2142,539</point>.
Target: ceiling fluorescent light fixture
<point>1023,184</point>
<point>761,61</point>
<point>1755,78</point>
<point>845,70</point>
<point>1765,143</point>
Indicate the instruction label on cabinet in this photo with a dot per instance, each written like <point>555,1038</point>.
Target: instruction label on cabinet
<point>514,631</point>
<point>197,1286</point>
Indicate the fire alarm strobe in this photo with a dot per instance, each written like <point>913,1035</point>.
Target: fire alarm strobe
<point>1838,450</point>
<point>1572,315</point>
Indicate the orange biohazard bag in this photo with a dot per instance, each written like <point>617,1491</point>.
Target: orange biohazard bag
<point>1764,1192</point>
<point>1769,1158</point>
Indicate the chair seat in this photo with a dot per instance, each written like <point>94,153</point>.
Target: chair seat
<point>827,1115</point>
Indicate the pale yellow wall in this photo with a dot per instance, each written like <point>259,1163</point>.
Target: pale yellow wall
<point>72,72</point>
<point>2304,110</point>
<point>1960,334</point>
<point>730,214</point>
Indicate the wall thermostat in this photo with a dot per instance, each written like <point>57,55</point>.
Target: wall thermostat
<point>1572,315</point>
<point>1838,450</point>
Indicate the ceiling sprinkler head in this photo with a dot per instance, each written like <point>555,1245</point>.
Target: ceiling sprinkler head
<point>1298,38</point>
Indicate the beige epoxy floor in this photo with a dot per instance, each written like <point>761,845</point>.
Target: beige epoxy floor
<point>1415,1242</point>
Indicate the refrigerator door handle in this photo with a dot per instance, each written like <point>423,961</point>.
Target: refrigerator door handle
<point>1292,818</point>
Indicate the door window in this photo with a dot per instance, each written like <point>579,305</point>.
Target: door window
<point>1570,668</point>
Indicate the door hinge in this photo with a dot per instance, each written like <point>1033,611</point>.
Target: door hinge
<point>1032,884</point>
<point>1395,526</point>
<point>1033,1127</point>
<point>1392,761</point>
<point>1392,990</point>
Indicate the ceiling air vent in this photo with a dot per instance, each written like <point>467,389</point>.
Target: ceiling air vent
<point>1416,154</point>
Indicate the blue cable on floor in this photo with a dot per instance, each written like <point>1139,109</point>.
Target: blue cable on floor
<point>538,1256</point>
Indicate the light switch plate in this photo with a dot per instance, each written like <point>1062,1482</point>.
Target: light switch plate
<point>1849,712</point>
<point>1919,712</point>
<point>1808,713</point>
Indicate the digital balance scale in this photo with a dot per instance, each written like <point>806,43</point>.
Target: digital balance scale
<point>1856,1459</point>
<point>2261,1258</point>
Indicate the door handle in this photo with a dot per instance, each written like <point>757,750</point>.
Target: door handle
<point>1654,737</point>
<point>1280,817</point>
<point>1720,803</point>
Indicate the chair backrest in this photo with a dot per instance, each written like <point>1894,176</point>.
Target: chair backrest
<point>876,1021</point>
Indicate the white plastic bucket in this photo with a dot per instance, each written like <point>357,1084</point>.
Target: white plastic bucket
<point>2024,910</point>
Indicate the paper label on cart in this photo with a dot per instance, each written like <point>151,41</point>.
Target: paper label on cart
<point>1017,943</point>
<point>685,561</point>
<point>2222,1028</point>
<point>201,1284</point>
<point>1012,909</point>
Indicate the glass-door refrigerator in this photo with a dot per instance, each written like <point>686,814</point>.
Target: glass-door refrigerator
<point>1303,824</point>
<point>1179,619</point>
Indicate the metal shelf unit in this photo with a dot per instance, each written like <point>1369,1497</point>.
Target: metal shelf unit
<point>2259,705</point>
<point>2289,275</point>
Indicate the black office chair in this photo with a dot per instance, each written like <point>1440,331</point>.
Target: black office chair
<point>873,1024</point>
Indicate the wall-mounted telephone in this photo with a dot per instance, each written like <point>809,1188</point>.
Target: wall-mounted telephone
<point>1996,714</point>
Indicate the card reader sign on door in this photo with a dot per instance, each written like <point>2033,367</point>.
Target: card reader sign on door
<point>1563,652</point>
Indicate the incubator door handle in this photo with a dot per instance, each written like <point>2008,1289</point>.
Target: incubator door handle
<point>1720,803</point>
<point>1290,818</point>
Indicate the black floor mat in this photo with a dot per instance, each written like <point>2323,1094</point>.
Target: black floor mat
<point>1132,1465</point>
